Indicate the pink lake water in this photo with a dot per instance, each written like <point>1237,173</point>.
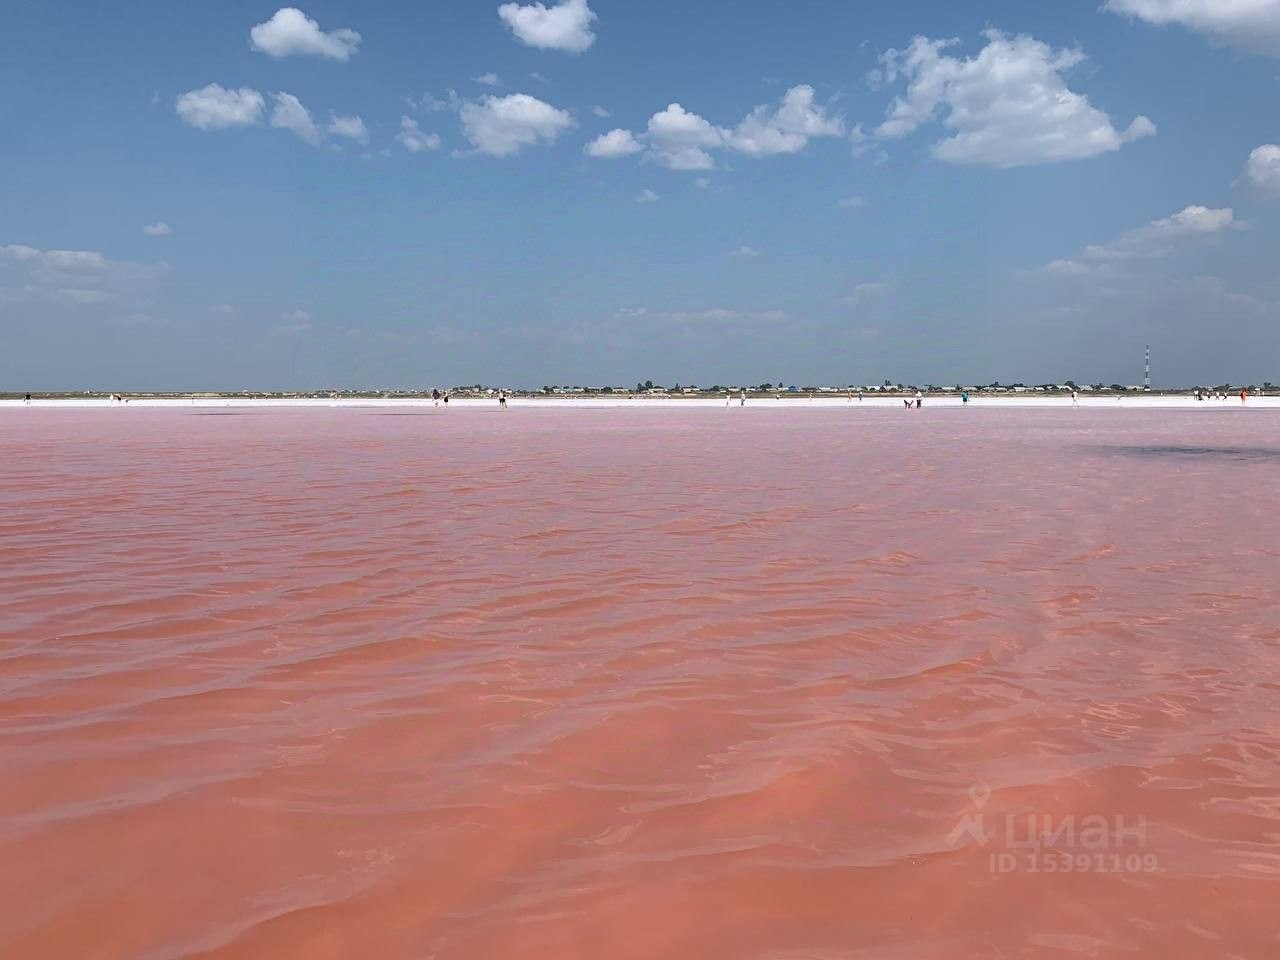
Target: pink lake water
<point>746,683</point>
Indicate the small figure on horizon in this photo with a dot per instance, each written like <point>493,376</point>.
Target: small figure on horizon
<point>27,401</point>
<point>919,399</point>
<point>964,398</point>
<point>435,396</point>
<point>1075,399</point>
<point>446,398</point>
<point>502,399</point>
<point>1244,396</point>
<point>742,402</point>
<point>859,396</point>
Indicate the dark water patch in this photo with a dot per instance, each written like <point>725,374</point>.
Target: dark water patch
<point>1219,453</point>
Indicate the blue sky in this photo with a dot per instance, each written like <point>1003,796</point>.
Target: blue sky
<point>232,195</point>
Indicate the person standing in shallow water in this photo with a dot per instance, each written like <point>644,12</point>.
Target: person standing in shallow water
<point>435,397</point>
<point>27,401</point>
<point>1244,396</point>
<point>502,399</point>
<point>919,399</point>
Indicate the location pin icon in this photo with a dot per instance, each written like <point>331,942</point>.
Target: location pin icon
<point>979,793</point>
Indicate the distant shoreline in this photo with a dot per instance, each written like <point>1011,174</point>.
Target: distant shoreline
<point>883,401</point>
<point>791,395</point>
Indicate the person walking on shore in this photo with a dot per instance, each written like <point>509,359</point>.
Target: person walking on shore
<point>1244,396</point>
<point>27,401</point>
<point>964,398</point>
<point>919,399</point>
<point>435,397</point>
<point>1075,399</point>
<point>502,399</point>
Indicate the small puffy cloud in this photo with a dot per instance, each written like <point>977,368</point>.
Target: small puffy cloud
<point>1068,268</point>
<point>1159,238</point>
<point>614,144</point>
<point>600,111</point>
<point>488,80</point>
<point>290,114</point>
<point>413,139</point>
<point>680,140</point>
<point>1249,24</point>
<point>290,32</point>
<point>503,126</point>
<point>745,253</point>
<point>1263,168</point>
<point>702,183</point>
<point>352,128</point>
<point>785,128</point>
<point>647,196</point>
<point>215,108</point>
<point>851,203</point>
<point>565,26</point>
<point>870,290</point>
<point>1009,106</point>
<point>428,103</point>
<point>157,229</point>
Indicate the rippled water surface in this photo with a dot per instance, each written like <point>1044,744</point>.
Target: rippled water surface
<point>774,684</point>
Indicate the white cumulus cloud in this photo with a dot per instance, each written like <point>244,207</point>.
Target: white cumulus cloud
<point>615,143</point>
<point>78,276</point>
<point>215,108</point>
<point>352,128</point>
<point>565,26</point>
<point>785,128</point>
<point>1009,106</point>
<point>158,229</point>
<point>413,139</point>
<point>503,126</point>
<point>1159,238</point>
<point>290,114</point>
<point>291,32</point>
<point>647,196</point>
<point>1263,167</point>
<point>1249,24</point>
<point>682,140</point>
<point>488,80</point>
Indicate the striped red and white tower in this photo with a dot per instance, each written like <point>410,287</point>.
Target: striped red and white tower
<point>1146,384</point>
